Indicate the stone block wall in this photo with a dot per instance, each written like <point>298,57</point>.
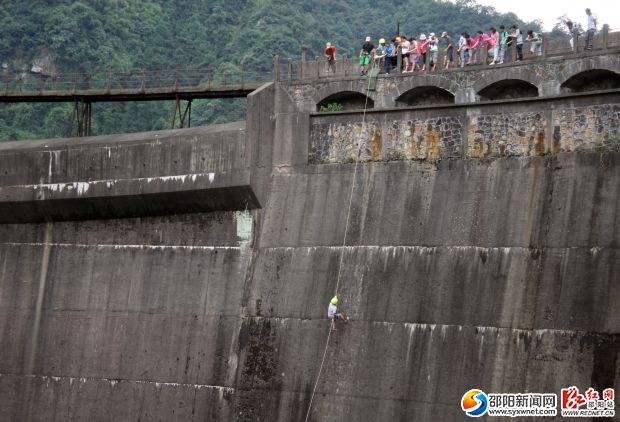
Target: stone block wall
<point>506,130</point>
<point>586,128</point>
<point>506,134</point>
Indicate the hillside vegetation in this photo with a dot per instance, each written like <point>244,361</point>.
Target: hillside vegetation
<point>119,35</point>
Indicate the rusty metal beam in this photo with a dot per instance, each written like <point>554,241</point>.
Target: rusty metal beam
<point>81,119</point>
<point>182,115</point>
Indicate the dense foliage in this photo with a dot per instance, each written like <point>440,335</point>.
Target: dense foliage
<point>118,35</point>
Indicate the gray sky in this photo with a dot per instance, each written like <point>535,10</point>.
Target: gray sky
<point>606,11</point>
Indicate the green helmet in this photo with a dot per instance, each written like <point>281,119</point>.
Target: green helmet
<point>334,300</point>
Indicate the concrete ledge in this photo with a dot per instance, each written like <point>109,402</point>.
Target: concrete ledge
<point>138,200</point>
<point>153,173</point>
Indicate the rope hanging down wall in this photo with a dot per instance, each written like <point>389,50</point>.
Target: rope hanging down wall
<point>344,242</point>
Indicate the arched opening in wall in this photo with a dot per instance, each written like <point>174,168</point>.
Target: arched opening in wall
<point>507,89</point>
<point>425,95</point>
<point>592,80</point>
<point>348,100</point>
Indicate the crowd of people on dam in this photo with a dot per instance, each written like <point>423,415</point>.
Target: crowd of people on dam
<point>458,50</point>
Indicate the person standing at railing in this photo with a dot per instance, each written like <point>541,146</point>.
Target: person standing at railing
<point>517,36</point>
<point>463,47</point>
<point>535,40</point>
<point>494,38</point>
<point>393,52</point>
<point>574,30</point>
<point>503,44</point>
<point>380,56</point>
<point>330,56</point>
<point>485,43</point>
<point>472,43</point>
<point>365,54</point>
<point>448,50</point>
<point>422,46</point>
<point>433,46</point>
<point>591,29</point>
<point>404,48</point>
<point>414,55</point>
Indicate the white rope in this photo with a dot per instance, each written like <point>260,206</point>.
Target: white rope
<point>346,230</point>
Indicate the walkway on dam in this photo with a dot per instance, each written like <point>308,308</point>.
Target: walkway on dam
<point>195,83</point>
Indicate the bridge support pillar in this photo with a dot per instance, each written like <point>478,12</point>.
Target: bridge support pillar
<point>183,115</point>
<point>81,118</point>
<point>549,88</point>
<point>465,95</point>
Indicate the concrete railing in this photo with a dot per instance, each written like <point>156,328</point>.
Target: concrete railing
<point>349,66</point>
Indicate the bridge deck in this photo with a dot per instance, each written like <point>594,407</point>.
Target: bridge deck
<point>136,94</point>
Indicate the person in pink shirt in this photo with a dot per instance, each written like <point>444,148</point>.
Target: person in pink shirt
<point>494,35</point>
<point>414,55</point>
<point>484,42</point>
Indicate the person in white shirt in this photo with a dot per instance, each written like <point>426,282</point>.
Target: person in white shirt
<point>517,36</point>
<point>433,46</point>
<point>333,314</point>
<point>591,29</point>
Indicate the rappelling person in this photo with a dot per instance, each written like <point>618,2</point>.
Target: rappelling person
<point>333,314</point>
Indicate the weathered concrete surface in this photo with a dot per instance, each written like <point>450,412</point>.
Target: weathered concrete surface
<point>131,311</point>
<point>151,173</point>
<point>499,274</point>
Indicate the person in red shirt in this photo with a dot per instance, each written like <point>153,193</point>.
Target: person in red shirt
<point>473,45</point>
<point>422,45</point>
<point>330,56</point>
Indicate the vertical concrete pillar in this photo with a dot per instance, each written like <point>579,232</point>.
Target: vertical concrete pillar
<point>302,64</point>
<point>575,40</point>
<point>290,69</point>
<point>464,95</point>
<point>318,67</point>
<point>549,113</point>
<point>605,36</point>
<point>276,68</point>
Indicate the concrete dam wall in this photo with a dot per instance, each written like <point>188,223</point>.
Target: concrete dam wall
<point>185,275</point>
